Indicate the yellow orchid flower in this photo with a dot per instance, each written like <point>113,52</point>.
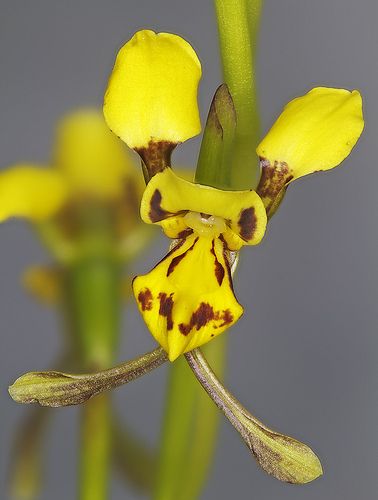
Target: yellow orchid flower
<point>315,132</point>
<point>179,299</point>
<point>188,298</point>
<point>88,160</point>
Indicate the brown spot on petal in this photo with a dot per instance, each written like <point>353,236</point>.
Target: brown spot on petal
<point>247,223</point>
<point>157,213</point>
<point>203,315</point>
<point>166,306</point>
<point>273,180</point>
<point>176,260</point>
<point>156,156</point>
<point>219,270</point>
<point>145,299</point>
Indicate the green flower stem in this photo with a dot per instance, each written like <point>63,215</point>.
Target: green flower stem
<point>93,311</point>
<point>177,425</point>
<point>94,298</point>
<point>95,447</point>
<point>205,426</point>
<point>238,23</point>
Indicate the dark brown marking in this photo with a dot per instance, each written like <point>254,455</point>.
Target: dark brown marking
<point>166,306</point>
<point>274,179</point>
<point>157,213</point>
<point>219,270</point>
<point>227,318</point>
<point>145,299</point>
<point>176,260</point>
<point>247,223</point>
<point>156,156</point>
<point>185,233</point>
<point>203,315</point>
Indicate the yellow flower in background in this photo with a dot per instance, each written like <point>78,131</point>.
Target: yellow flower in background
<point>88,160</point>
<point>315,132</point>
<point>30,191</point>
<point>188,299</point>
<point>89,156</point>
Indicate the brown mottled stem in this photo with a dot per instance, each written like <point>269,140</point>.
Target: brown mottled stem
<point>281,456</point>
<point>63,389</point>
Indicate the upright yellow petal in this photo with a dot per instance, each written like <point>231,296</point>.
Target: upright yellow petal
<point>314,132</point>
<point>187,299</point>
<point>167,195</point>
<point>31,192</point>
<point>152,91</point>
<point>93,159</point>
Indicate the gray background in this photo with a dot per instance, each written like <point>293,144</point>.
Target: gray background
<point>304,356</point>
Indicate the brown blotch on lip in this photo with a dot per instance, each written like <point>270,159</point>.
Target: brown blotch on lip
<point>157,213</point>
<point>156,156</point>
<point>203,315</point>
<point>219,269</point>
<point>247,223</point>
<point>166,306</point>
<point>145,299</point>
<point>176,260</point>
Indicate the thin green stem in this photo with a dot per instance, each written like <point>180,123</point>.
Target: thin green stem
<point>95,449</point>
<point>205,427</point>
<point>238,23</point>
<point>177,425</point>
<point>93,296</point>
<point>93,310</point>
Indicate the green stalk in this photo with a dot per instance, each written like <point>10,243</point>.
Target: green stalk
<point>238,23</point>
<point>205,427</point>
<point>177,424</point>
<point>93,311</point>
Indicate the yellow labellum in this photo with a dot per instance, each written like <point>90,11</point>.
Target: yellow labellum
<point>91,157</point>
<point>152,91</point>
<point>168,197</point>
<point>187,299</point>
<point>31,192</point>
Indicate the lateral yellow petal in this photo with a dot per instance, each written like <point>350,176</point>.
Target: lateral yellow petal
<point>92,158</point>
<point>314,132</point>
<point>31,192</point>
<point>152,91</point>
<point>187,299</point>
<point>167,195</point>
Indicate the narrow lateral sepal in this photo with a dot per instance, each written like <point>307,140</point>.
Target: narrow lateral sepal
<point>52,388</point>
<point>282,456</point>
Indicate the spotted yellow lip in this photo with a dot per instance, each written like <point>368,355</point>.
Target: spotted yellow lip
<point>188,298</point>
